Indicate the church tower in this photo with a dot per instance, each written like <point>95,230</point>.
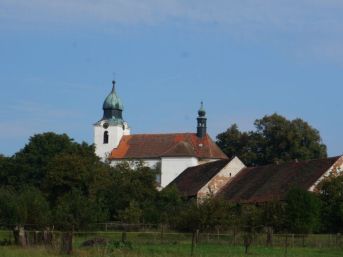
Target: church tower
<point>111,128</point>
<point>201,128</point>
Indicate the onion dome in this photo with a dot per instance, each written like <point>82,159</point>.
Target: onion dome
<point>112,101</point>
<point>202,112</point>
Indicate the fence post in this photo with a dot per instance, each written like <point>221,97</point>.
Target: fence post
<point>162,232</point>
<point>67,243</point>
<point>286,244</point>
<point>292,240</point>
<point>193,243</point>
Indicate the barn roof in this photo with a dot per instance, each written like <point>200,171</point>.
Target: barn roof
<point>142,146</point>
<point>272,182</point>
<point>193,179</point>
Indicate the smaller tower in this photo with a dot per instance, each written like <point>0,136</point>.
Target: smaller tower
<point>201,128</point>
<point>111,128</point>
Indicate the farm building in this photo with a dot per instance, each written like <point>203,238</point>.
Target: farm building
<point>233,181</point>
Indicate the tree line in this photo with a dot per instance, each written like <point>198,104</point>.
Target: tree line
<point>55,181</point>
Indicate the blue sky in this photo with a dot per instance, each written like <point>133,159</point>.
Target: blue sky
<point>244,59</point>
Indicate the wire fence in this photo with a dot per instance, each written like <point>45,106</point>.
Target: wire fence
<point>158,234</point>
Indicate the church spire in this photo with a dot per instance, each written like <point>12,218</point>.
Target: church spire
<point>201,128</point>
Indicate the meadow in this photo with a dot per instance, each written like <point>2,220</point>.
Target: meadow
<point>179,245</point>
<point>170,250</point>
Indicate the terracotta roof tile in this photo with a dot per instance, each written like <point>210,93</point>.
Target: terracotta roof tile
<point>143,146</point>
<point>272,182</point>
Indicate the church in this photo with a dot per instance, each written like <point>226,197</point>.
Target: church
<point>170,153</point>
<point>197,167</point>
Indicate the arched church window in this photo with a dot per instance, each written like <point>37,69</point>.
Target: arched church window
<point>106,137</point>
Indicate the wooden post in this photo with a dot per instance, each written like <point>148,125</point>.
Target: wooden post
<point>123,237</point>
<point>286,244</point>
<point>193,243</point>
<point>67,243</point>
<point>162,233</point>
<point>292,240</point>
<point>269,236</point>
<point>197,236</point>
<point>20,237</point>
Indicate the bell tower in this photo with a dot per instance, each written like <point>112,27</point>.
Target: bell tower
<point>201,128</point>
<point>111,128</point>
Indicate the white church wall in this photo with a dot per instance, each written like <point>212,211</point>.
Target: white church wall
<point>115,134</point>
<point>222,178</point>
<point>171,167</point>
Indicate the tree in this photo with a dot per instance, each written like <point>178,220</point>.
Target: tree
<point>131,182</point>
<point>331,194</point>
<point>27,206</point>
<point>74,211</point>
<point>168,204</point>
<point>251,222</point>
<point>20,208</point>
<point>275,139</point>
<point>302,213</point>
<point>67,172</point>
<point>29,165</point>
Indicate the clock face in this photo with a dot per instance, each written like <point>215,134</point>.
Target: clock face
<point>105,125</point>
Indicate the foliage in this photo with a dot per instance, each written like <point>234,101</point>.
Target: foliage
<point>131,214</point>
<point>273,215</point>
<point>207,215</point>
<point>75,211</point>
<point>302,211</point>
<point>31,162</point>
<point>25,207</point>
<point>331,194</point>
<point>131,182</point>
<point>275,139</point>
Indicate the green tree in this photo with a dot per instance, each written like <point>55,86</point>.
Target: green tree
<point>29,165</point>
<point>131,214</point>
<point>67,172</point>
<point>131,181</point>
<point>302,213</point>
<point>275,139</point>
<point>273,215</point>
<point>168,205</point>
<point>76,211</point>
<point>27,206</point>
<point>331,194</point>
<point>251,223</point>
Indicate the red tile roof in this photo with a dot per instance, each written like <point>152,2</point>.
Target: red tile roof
<point>166,145</point>
<point>193,179</point>
<point>272,182</point>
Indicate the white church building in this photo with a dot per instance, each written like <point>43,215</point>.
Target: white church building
<point>173,152</point>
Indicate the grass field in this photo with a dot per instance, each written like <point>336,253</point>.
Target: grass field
<point>170,250</point>
<point>178,245</point>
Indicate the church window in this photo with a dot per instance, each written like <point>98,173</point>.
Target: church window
<point>106,137</point>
